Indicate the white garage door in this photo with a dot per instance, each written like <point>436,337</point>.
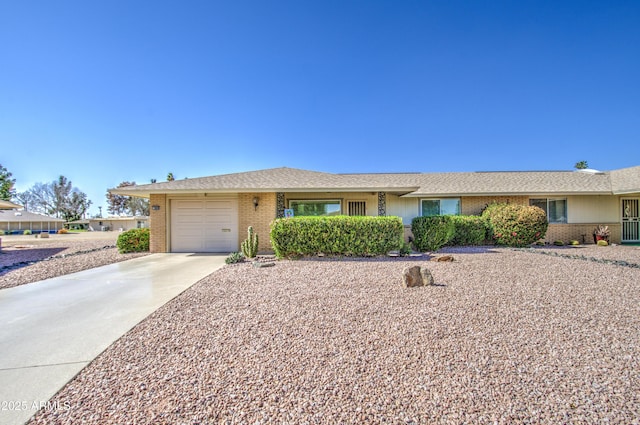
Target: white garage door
<point>204,225</point>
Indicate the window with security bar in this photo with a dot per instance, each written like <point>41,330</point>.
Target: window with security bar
<point>357,208</point>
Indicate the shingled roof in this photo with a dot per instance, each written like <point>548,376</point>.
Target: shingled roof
<point>626,180</point>
<point>282,179</point>
<point>407,184</point>
<point>7,205</point>
<point>14,216</point>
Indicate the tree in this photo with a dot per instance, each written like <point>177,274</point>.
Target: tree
<point>6,184</point>
<point>581,165</point>
<point>120,204</point>
<point>58,198</point>
<point>138,206</point>
<point>170,177</point>
<point>75,206</point>
<point>26,199</point>
<point>117,204</point>
<point>62,189</point>
<point>39,198</point>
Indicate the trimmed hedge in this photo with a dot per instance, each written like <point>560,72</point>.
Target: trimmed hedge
<point>336,235</point>
<point>432,233</point>
<point>516,225</point>
<point>134,240</point>
<point>469,230</point>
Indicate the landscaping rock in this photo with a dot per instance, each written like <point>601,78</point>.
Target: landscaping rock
<point>412,277</point>
<point>427,277</point>
<point>443,258</point>
<point>259,264</point>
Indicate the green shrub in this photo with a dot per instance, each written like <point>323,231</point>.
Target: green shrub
<point>26,232</point>
<point>432,233</point>
<point>234,257</point>
<point>574,243</point>
<point>559,243</point>
<point>602,242</point>
<point>469,230</point>
<point>2,233</point>
<point>63,231</point>
<point>335,235</point>
<point>515,225</point>
<point>134,240</point>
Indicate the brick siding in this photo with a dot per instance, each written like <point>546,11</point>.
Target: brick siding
<point>158,223</point>
<point>582,233</point>
<point>260,218</point>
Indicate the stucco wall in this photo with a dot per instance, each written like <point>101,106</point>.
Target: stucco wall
<point>405,208</point>
<point>408,208</point>
<point>593,209</point>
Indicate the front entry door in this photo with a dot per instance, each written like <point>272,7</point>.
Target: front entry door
<point>630,220</point>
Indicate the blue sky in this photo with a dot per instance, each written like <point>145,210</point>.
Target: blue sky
<point>107,91</point>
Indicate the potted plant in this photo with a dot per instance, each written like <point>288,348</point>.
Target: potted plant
<point>601,233</point>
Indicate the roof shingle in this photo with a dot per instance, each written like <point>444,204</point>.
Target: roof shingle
<point>410,184</point>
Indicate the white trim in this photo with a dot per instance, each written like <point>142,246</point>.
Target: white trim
<point>566,206</point>
<point>459,199</point>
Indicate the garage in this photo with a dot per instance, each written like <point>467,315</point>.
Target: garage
<point>207,225</point>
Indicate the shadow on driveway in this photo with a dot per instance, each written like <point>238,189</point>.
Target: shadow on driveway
<point>14,258</point>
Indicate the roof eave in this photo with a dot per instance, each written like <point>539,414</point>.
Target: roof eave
<point>626,192</point>
<point>460,194</point>
<point>148,193</point>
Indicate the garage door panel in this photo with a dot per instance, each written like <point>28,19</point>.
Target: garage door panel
<point>204,226</point>
<point>185,205</point>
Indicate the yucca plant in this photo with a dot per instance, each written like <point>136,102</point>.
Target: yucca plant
<point>250,245</point>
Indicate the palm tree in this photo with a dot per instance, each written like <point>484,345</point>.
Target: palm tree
<point>581,165</point>
<point>170,177</point>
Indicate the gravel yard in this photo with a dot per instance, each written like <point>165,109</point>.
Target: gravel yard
<point>29,259</point>
<point>503,337</point>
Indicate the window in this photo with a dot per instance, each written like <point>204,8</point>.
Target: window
<point>446,206</point>
<point>315,207</point>
<point>357,207</point>
<point>556,209</point>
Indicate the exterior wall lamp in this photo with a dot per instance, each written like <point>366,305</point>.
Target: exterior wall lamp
<point>256,201</point>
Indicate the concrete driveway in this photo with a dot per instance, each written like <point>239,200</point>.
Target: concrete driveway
<point>50,330</point>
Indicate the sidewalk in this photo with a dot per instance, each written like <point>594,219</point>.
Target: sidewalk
<point>50,330</point>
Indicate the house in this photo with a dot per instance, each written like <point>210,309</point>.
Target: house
<point>8,205</point>
<point>119,223</point>
<point>14,221</point>
<point>211,214</point>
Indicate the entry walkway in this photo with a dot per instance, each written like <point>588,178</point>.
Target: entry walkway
<point>50,330</point>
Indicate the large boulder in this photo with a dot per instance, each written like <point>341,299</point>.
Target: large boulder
<point>415,276</point>
<point>412,277</point>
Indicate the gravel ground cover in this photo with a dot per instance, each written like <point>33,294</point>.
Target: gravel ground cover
<point>26,261</point>
<point>503,337</point>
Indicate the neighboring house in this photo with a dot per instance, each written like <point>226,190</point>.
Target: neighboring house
<point>211,214</point>
<point>109,223</point>
<point>14,221</point>
<point>7,205</point>
<point>118,223</point>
